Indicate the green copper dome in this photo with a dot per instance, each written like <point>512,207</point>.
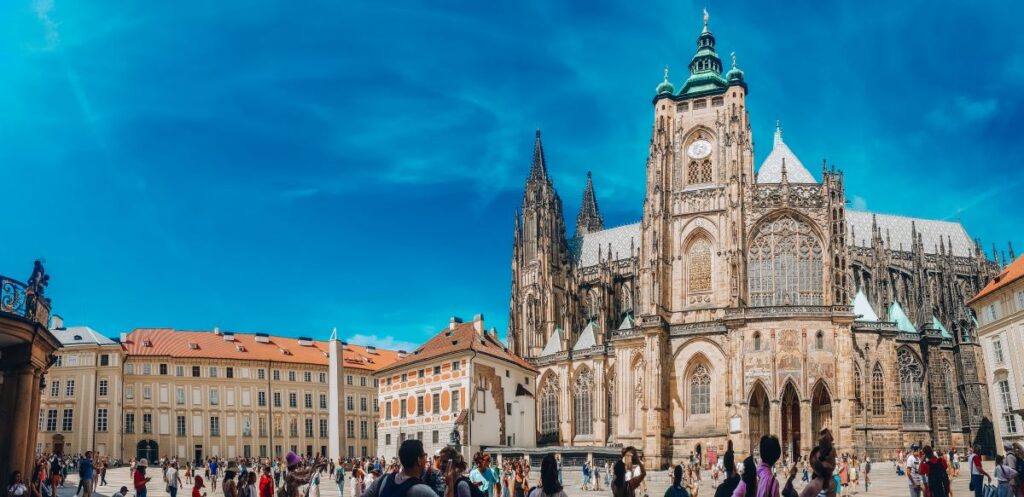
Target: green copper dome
<point>665,87</point>
<point>705,66</point>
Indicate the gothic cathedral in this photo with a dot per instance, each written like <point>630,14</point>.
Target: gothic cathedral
<point>744,302</point>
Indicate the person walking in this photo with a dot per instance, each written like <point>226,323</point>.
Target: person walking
<point>677,488</point>
<point>408,482</point>
<point>139,478</point>
<point>267,483</point>
<point>936,472</point>
<point>173,479</point>
<point>549,485</point>
<point>1005,475</point>
<point>732,478</point>
<point>867,473</point>
<point>86,471</point>
<point>198,486</point>
<point>977,471</point>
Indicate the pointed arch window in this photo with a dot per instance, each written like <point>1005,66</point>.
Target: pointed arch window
<point>549,411</point>
<point>877,391</point>
<point>700,391</point>
<point>857,389</point>
<point>583,403</point>
<point>785,264</point>
<point>625,300</point>
<point>911,388</point>
<point>819,340</point>
<point>757,340</point>
<point>610,399</point>
<point>699,172</point>
<point>698,265</point>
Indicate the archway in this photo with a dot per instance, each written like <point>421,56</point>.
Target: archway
<point>58,444</point>
<point>759,416</point>
<point>790,422</point>
<point>821,407</point>
<point>149,450</point>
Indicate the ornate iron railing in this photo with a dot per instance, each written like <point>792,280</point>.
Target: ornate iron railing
<point>26,300</point>
<point>787,311</point>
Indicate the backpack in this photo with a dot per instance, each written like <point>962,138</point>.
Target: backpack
<point>938,480</point>
<point>389,489</point>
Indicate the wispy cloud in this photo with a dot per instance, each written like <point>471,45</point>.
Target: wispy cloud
<point>859,203</point>
<point>385,342</point>
<point>962,110</point>
<point>43,10</point>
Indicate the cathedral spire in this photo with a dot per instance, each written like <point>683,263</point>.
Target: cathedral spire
<point>589,219</point>
<point>705,66</point>
<point>539,169</point>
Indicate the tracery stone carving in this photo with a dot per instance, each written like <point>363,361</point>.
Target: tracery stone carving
<point>785,264</point>
<point>911,388</point>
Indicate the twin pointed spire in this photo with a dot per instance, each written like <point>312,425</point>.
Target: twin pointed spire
<point>589,219</point>
<point>538,169</point>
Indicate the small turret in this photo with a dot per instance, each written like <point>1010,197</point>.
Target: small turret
<point>665,87</point>
<point>589,219</point>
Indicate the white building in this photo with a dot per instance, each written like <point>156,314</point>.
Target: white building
<point>462,380</point>
<point>1000,310</point>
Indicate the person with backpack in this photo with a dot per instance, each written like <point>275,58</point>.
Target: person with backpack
<point>732,479</point>
<point>977,472</point>
<point>1005,475</point>
<point>677,489</point>
<point>935,473</point>
<point>408,481</point>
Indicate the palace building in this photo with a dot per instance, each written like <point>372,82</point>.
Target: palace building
<point>195,394</point>
<point>748,300</point>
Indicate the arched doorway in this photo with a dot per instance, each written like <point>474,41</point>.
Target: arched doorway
<point>58,444</point>
<point>790,422</point>
<point>821,407</point>
<point>759,416</point>
<point>149,450</point>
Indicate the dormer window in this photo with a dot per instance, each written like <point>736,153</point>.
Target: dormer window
<point>147,343</point>
<point>191,345</point>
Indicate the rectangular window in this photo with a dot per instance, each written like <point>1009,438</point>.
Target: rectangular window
<point>230,372</point>
<point>508,408</point>
<point>129,392</point>
<point>51,420</point>
<point>214,426</point>
<point>277,399</point>
<point>323,401</point>
<point>348,380</point>
<point>147,368</point>
<point>456,398</point>
<point>70,390</point>
<point>163,369</point>
<point>293,401</point>
<point>55,388</point>
<point>419,405</point>
<point>262,424</point>
<point>437,369</point>
<point>309,427</point>
<point>104,387</point>
<point>147,392</point>
<point>363,432</point>
<point>261,399</point>
<point>434,437</point>
<point>128,368</point>
<point>261,374</point>
<point>179,396</point>
<point>376,408</point>
<point>700,104</point>
<point>323,377</point>
<point>101,420</point>
<point>387,439</point>
<point>291,376</point>
<point>421,373</point>
<point>481,400</point>
<point>293,429</point>
<point>403,408</point>
<point>277,375</point>
<point>435,403</point>
<point>181,426</point>
<point>362,404</point>
<point>991,313</point>
<point>405,377</point>
<point>214,397</point>
<point>196,371</point>
<point>1020,300</point>
<point>104,359</point>
<point>179,370</point>
<point>997,349</point>
<point>129,422</point>
<point>387,410</point>
<point>308,400</point>
<point>147,423</point>
<point>1011,422</point>
<point>456,366</point>
<point>213,371</point>
<point>1004,395</point>
<point>307,376</point>
<point>323,428</point>
<point>349,403</point>
<point>362,381</point>
<point>350,428</point>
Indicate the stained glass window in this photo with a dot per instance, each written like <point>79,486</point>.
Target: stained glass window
<point>700,391</point>
<point>582,404</point>
<point>698,265</point>
<point>549,408</point>
<point>877,391</point>
<point>785,266</point>
<point>911,389</point>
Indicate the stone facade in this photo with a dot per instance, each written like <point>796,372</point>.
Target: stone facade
<point>742,303</point>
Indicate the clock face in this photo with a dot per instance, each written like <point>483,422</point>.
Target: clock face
<point>699,149</point>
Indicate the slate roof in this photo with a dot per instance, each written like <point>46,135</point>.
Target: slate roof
<point>933,232</point>
<point>80,335</point>
<point>554,344</point>
<point>588,338</point>
<point>1009,274</point>
<point>862,308</point>
<point>771,169</point>
<point>463,338</point>
<point>620,239</point>
<point>168,342</point>
<point>899,317</point>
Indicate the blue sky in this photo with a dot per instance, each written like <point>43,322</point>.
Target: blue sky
<point>292,167</point>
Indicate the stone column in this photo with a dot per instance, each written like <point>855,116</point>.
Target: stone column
<point>808,439</point>
<point>23,421</point>
<point>30,446</point>
<point>654,446</point>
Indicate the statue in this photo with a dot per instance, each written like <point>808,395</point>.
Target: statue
<point>454,440</point>
<point>706,16</point>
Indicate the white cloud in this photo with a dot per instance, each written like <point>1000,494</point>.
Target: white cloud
<point>387,342</point>
<point>859,203</point>
<point>962,111</point>
<point>43,9</point>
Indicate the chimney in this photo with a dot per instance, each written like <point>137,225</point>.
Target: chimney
<point>478,324</point>
<point>401,354</point>
<point>453,322</point>
<point>229,337</point>
<point>216,330</point>
<point>56,322</point>
<point>494,334</point>
<point>124,337</point>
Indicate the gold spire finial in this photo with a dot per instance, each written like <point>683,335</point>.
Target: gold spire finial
<point>706,16</point>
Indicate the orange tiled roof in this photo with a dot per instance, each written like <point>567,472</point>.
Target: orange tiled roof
<point>1008,275</point>
<point>168,342</point>
<point>463,338</point>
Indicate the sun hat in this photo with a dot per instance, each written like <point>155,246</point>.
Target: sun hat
<point>292,459</point>
<point>143,463</point>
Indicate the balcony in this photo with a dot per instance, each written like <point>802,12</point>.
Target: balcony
<point>26,301</point>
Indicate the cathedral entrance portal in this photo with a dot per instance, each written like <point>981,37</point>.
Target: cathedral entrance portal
<point>759,416</point>
<point>790,422</point>
<point>821,408</point>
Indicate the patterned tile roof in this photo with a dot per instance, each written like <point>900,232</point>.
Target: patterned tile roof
<point>80,335</point>
<point>1009,274</point>
<point>899,229</point>
<point>621,240</point>
<point>771,169</point>
<point>168,342</point>
<point>463,338</point>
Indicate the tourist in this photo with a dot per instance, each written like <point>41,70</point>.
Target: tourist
<point>549,485</point>
<point>677,489</point>
<point>35,485</point>
<point>297,475</point>
<point>747,487</point>
<point>520,480</point>
<point>585,469</point>
<point>55,474</point>
<point>596,478</point>
<point>229,487</point>
<point>197,486</point>
<point>277,474</point>
<point>86,470</point>
<point>173,479</point>
<point>867,473</point>
<point>139,477</point>
<point>732,479</point>
<point>267,483</point>
<point>17,487</point>
<point>408,481</point>
<point>771,450</point>
<point>1005,475</point>
<point>977,471</point>
<point>188,472</point>
<point>935,473</point>
<point>854,472</point>
<point>122,492</point>
<point>214,467</point>
<point>482,476</point>
<point>250,485</point>
<point>339,475</point>
<point>621,486</point>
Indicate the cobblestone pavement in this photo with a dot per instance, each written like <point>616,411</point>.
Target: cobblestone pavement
<point>885,483</point>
